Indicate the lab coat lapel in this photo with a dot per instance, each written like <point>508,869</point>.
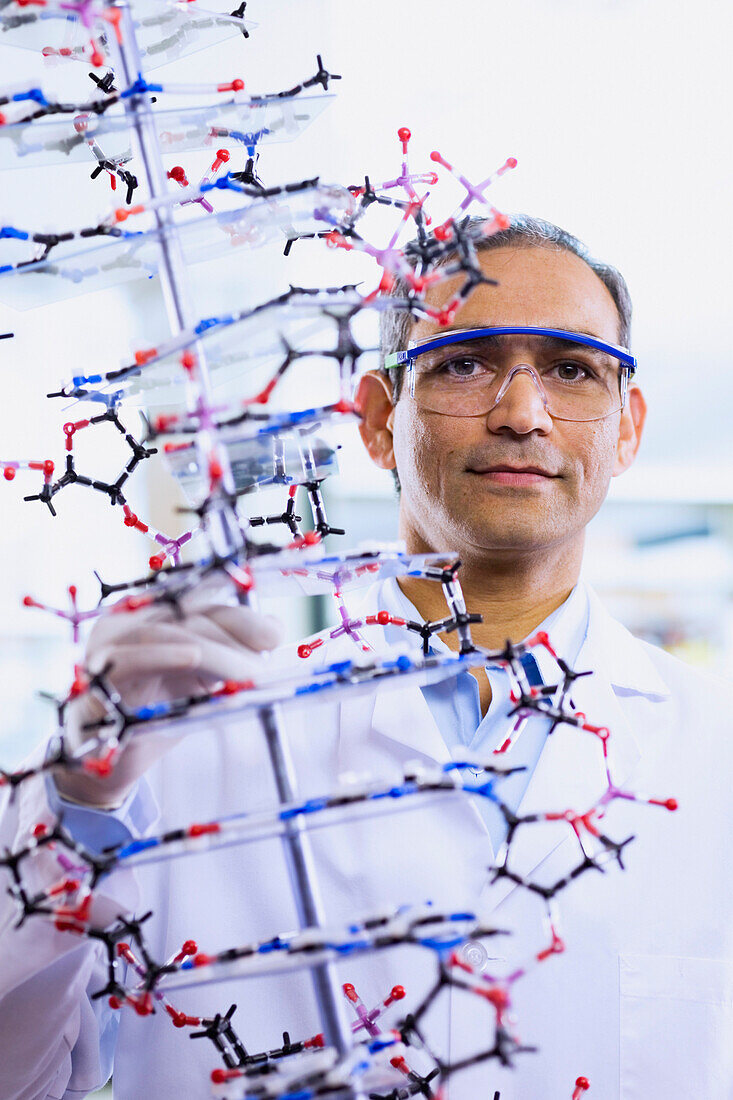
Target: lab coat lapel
<point>395,725</point>
<point>378,737</point>
<point>574,762</point>
<point>400,716</point>
<point>570,773</point>
<point>391,713</point>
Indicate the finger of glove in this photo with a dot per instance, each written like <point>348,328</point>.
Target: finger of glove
<point>157,655</point>
<point>247,627</point>
<point>190,631</point>
<point>119,620</point>
<point>117,627</point>
<point>163,634</point>
<point>204,626</point>
<point>172,649</point>
<point>244,625</point>
<point>228,662</point>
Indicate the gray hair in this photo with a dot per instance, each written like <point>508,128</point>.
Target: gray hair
<point>523,232</point>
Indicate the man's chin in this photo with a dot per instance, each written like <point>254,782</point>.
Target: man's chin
<point>505,544</point>
<point>497,529</point>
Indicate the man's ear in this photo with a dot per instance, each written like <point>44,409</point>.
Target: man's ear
<point>630,430</point>
<point>374,404</point>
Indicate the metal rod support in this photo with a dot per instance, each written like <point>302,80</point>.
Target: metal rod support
<point>299,857</point>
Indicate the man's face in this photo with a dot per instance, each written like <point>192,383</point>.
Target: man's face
<point>473,482</point>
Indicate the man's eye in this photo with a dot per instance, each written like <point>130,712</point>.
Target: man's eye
<point>462,368</point>
<point>571,372</point>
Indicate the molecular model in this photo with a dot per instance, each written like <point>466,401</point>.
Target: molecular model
<point>222,451</point>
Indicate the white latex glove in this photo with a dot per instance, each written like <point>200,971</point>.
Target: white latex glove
<point>155,656</point>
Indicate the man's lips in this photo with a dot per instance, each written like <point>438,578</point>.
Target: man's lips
<point>513,475</point>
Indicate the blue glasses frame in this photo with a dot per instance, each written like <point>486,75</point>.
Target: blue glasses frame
<point>406,358</point>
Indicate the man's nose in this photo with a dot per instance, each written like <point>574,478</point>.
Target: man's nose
<point>520,404</point>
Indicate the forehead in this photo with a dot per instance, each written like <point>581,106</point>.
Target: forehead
<point>539,287</point>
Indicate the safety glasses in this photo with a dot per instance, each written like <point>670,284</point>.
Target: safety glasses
<point>468,372</point>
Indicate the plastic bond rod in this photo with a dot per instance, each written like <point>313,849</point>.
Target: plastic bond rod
<point>223,527</point>
<point>322,812</point>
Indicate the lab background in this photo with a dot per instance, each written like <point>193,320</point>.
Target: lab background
<point>615,111</point>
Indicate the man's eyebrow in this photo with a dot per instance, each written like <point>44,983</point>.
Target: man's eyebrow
<point>547,343</point>
<point>476,328</point>
<point>556,343</point>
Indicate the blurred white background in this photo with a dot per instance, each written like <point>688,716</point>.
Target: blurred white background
<point>618,113</point>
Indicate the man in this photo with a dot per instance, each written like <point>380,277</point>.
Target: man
<point>641,1003</point>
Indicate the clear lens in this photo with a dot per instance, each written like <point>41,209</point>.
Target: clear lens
<point>468,378</point>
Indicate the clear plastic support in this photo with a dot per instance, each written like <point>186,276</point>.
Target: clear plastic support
<point>222,525</point>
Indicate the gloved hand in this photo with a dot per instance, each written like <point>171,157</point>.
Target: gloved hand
<point>155,656</point>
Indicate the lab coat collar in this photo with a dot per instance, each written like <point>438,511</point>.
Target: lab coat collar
<point>624,660</point>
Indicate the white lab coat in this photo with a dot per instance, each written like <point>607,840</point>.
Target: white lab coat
<point>641,1003</point>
